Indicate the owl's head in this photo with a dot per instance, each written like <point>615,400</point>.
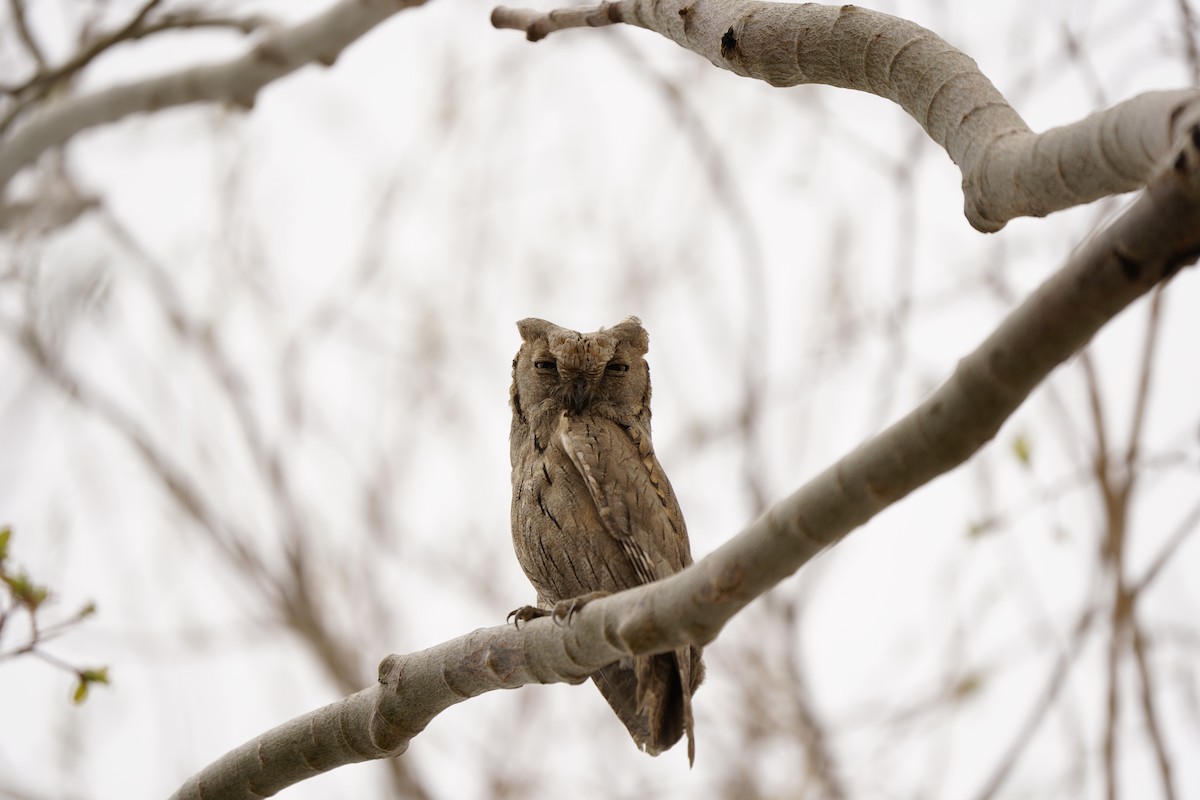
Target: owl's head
<point>582,371</point>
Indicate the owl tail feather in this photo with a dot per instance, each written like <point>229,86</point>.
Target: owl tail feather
<point>650,698</point>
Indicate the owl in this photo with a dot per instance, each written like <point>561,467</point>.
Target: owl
<point>592,509</point>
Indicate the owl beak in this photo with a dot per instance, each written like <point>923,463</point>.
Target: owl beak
<point>579,396</point>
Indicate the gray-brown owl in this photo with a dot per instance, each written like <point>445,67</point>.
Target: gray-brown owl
<point>592,510</point>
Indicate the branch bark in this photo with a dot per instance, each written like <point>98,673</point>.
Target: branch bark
<point>1156,236</point>
<point>238,81</point>
<point>1008,171</point>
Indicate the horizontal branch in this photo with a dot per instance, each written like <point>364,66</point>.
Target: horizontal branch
<point>1156,236</point>
<point>319,40</point>
<point>1008,171</point>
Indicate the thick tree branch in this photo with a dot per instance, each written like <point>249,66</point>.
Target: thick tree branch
<point>320,39</point>
<point>1008,171</point>
<point>1154,238</point>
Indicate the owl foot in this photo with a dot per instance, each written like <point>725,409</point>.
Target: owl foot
<point>566,610</point>
<point>526,613</point>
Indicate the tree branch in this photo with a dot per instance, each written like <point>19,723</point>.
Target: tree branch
<point>17,9</point>
<point>1008,171</point>
<point>1156,236</point>
<point>320,39</point>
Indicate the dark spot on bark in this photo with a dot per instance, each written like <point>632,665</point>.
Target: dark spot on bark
<point>685,14</point>
<point>546,472</point>
<point>1196,136</point>
<point>1131,268</point>
<point>729,43</point>
<point>541,448</point>
<point>1180,165</point>
<point>500,661</point>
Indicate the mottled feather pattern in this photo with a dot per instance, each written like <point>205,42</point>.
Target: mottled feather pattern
<point>593,511</point>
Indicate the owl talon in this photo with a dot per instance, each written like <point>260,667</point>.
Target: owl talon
<point>524,614</point>
<point>565,611</point>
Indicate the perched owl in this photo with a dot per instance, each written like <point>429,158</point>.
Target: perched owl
<point>592,510</point>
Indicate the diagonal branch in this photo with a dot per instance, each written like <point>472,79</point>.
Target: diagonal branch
<point>1147,244</point>
<point>1008,171</point>
<point>238,81</point>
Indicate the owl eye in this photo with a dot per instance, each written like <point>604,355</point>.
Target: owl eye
<point>614,367</point>
<point>544,365</point>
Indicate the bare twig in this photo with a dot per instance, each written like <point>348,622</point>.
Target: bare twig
<point>1188,31</point>
<point>1153,725</point>
<point>539,24</point>
<point>1039,708</point>
<point>1189,525</point>
<point>17,9</point>
<point>238,81</point>
<point>1142,392</point>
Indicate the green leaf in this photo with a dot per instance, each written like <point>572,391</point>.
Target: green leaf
<point>5,535</point>
<point>25,591</point>
<point>1023,450</point>
<point>86,678</point>
<point>95,675</point>
<point>88,610</point>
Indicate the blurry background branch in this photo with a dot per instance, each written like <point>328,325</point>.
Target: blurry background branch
<point>1147,245</point>
<point>290,333</point>
<point>318,40</point>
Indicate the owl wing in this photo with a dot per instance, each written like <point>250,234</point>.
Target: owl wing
<point>632,495</point>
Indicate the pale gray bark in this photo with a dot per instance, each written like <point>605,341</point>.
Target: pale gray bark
<point>1008,171</point>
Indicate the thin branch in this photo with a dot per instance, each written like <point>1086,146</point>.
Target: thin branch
<point>1186,528</point>
<point>1045,701</point>
<point>174,480</point>
<point>1100,465</point>
<point>238,81</point>
<point>1188,31</point>
<point>538,24</point>
<point>1142,395</point>
<point>1112,701</point>
<point>1153,725</point>
<point>17,9</point>
<point>139,28</point>
<point>46,80</point>
<point>1039,708</point>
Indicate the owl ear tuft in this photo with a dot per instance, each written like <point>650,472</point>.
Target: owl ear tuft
<point>534,328</point>
<point>630,331</point>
